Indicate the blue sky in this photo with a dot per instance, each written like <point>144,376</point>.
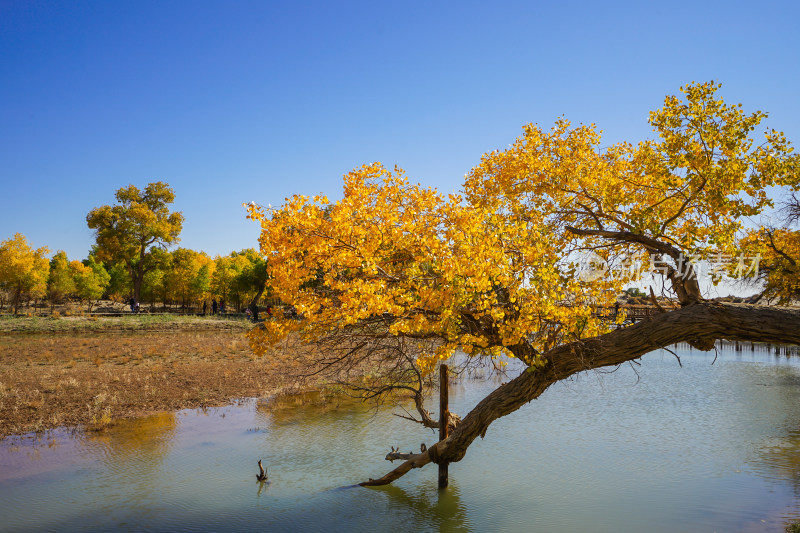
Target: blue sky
<point>231,102</point>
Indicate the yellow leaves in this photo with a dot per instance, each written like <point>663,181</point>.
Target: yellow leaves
<point>270,333</point>
<point>689,188</point>
<point>772,255</point>
<point>493,269</point>
<point>23,269</point>
<point>425,262</point>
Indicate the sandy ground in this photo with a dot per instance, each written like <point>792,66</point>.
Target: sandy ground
<point>51,379</point>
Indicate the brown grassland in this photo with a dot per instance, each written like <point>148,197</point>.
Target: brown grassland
<point>92,372</point>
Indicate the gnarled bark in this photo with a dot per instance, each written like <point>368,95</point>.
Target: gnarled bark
<point>701,324</point>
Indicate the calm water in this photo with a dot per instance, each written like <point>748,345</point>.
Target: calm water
<point>699,448</point>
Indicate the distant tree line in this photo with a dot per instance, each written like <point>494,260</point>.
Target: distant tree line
<point>181,279</point>
<point>131,260</point>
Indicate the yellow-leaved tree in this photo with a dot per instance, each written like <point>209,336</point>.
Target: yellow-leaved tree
<point>395,277</point>
<point>179,279</point>
<point>91,280</point>
<point>778,250</point>
<point>23,270</point>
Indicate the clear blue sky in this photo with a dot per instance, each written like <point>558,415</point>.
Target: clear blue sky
<point>237,101</point>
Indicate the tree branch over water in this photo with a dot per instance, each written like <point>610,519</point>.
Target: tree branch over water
<point>395,278</point>
<point>700,323</point>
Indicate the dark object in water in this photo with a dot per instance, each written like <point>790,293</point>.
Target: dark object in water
<point>262,477</point>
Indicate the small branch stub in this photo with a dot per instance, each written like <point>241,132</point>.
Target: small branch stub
<point>262,475</point>
<point>395,454</point>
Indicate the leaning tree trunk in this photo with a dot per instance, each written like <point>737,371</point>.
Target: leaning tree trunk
<point>700,325</point>
<point>254,304</point>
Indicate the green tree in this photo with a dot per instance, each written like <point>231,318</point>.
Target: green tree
<point>224,276</point>
<point>91,280</point>
<point>201,284</point>
<point>181,279</point>
<point>239,277</point>
<point>131,230</point>
<point>60,284</point>
<point>251,281</point>
<point>119,285</point>
<point>154,285</point>
<point>23,270</point>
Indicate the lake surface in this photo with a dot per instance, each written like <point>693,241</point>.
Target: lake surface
<point>707,447</point>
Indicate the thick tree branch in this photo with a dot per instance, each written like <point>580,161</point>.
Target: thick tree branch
<point>771,234</point>
<point>701,323</point>
<point>684,283</point>
<point>629,236</point>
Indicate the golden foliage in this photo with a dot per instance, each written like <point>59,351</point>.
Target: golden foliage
<point>398,259</point>
<point>778,250</point>
<point>23,269</point>
<point>494,271</point>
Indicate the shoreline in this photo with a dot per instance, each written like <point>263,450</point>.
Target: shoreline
<point>88,375</point>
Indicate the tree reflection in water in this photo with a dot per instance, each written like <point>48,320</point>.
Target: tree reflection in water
<point>437,508</point>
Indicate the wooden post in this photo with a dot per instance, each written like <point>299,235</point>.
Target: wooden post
<point>444,415</point>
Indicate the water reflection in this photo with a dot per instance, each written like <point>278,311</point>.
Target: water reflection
<point>301,408</point>
<point>262,487</point>
<point>441,510</point>
<point>779,458</point>
<point>147,436</point>
<point>699,448</point>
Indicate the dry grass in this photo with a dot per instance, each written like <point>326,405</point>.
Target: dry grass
<point>90,379</point>
<point>58,323</point>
